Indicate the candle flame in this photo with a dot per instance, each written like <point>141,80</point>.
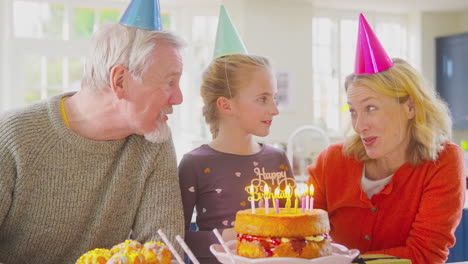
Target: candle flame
<point>297,192</point>
<point>266,190</point>
<point>252,189</point>
<point>277,192</point>
<point>288,191</point>
<point>311,191</point>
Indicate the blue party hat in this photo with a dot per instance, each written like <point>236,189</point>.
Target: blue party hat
<point>227,38</point>
<point>143,14</point>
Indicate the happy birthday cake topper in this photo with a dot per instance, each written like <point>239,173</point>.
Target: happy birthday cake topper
<point>259,190</point>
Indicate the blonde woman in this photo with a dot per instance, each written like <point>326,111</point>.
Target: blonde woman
<point>397,186</point>
<point>238,92</point>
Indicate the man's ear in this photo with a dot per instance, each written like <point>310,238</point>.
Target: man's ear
<point>117,80</point>
<point>224,105</point>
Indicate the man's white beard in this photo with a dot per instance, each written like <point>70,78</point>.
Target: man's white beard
<point>161,134</point>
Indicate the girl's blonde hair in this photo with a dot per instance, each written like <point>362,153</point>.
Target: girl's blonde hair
<point>429,129</point>
<point>224,77</point>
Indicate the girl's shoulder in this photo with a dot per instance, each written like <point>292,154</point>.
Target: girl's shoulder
<point>270,149</point>
<point>201,151</point>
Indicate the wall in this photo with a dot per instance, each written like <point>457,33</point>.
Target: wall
<point>438,24</point>
<point>281,31</point>
<point>462,134</point>
<point>414,39</point>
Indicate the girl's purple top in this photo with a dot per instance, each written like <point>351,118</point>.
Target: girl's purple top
<point>215,182</point>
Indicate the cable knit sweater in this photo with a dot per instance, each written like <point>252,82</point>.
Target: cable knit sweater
<point>62,195</point>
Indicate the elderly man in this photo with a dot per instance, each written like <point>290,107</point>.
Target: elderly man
<point>83,170</point>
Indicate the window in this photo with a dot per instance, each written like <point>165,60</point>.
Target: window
<point>47,42</point>
<point>198,27</point>
<point>333,51</point>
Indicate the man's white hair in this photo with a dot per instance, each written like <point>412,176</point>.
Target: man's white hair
<point>118,44</point>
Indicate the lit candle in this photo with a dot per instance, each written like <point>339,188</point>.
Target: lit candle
<point>252,199</point>
<point>277,194</point>
<point>296,194</point>
<point>311,192</point>
<point>266,192</point>
<point>303,203</point>
<point>288,197</point>
<point>273,196</point>
<point>306,194</point>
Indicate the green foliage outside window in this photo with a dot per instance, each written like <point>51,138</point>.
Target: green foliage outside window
<point>54,72</point>
<point>32,95</point>
<point>32,69</point>
<point>53,25</point>
<point>166,21</point>
<point>106,15</point>
<point>83,22</point>
<point>75,73</point>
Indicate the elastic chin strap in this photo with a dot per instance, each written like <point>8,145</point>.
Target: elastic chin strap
<point>226,76</point>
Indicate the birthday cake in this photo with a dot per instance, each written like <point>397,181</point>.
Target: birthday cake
<point>290,233</point>
<point>128,252</point>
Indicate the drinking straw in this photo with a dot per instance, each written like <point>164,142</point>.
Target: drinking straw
<point>220,239</point>
<point>171,248</point>
<point>187,250</point>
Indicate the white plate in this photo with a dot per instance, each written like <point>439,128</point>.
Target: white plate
<point>340,255</point>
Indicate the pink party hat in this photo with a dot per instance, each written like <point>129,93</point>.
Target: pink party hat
<point>370,55</point>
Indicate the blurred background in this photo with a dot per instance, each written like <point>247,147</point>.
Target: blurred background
<point>311,44</point>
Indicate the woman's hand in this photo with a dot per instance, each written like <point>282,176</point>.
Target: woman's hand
<point>228,234</point>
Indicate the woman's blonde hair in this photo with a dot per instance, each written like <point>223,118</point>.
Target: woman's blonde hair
<point>223,78</point>
<point>429,129</point>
